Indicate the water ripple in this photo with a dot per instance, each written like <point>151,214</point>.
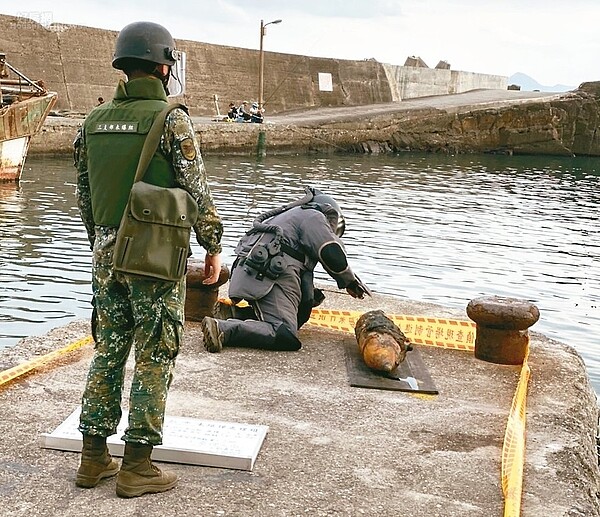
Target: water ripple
<point>444,229</point>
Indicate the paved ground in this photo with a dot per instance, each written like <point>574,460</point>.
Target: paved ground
<point>474,98</point>
<point>321,115</point>
<point>331,449</point>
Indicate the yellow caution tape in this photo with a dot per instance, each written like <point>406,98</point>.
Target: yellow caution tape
<point>420,330</point>
<point>17,371</point>
<point>513,450</point>
<point>457,335</point>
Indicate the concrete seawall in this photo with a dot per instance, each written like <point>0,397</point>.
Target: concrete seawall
<point>480,121</point>
<point>74,61</point>
<point>371,107</point>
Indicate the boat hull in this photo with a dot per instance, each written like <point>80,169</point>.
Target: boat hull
<point>18,123</point>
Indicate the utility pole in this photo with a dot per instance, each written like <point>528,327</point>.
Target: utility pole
<point>261,62</point>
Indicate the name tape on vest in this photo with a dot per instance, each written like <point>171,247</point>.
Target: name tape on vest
<point>116,127</point>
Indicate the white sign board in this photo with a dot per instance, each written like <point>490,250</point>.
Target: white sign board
<point>211,443</point>
<point>325,82</point>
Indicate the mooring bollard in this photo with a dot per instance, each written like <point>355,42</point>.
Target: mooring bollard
<point>502,324</point>
<point>261,145</point>
<point>200,299</point>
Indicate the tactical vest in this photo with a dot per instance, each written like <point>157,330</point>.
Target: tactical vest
<point>114,135</point>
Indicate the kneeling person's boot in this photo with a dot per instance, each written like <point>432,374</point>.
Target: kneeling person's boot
<point>139,476</point>
<point>212,335</point>
<point>96,462</point>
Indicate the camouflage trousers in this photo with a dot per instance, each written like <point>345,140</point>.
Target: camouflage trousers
<point>130,312</point>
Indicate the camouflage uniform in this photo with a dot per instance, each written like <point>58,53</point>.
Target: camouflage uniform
<point>132,311</point>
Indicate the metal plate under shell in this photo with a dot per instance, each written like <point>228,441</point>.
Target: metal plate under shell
<point>411,375</point>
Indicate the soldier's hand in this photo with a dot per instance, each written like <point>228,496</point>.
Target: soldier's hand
<point>212,269</point>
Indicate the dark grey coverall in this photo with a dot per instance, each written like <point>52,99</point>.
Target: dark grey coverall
<point>281,305</point>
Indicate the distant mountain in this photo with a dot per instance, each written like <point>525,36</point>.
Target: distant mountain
<point>528,84</point>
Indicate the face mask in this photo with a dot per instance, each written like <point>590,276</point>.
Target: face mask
<point>175,81</point>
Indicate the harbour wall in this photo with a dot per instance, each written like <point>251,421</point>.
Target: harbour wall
<point>480,121</point>
<point>75,61</point>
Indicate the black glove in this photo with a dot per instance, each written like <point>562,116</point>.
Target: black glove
<point>357,289</point>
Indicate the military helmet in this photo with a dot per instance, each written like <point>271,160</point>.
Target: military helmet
<point>147,41</point>
<point>323,199</point>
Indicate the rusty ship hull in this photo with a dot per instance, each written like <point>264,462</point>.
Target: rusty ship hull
<point>24,106</point>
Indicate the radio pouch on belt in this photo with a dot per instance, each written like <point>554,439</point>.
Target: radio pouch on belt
<point>154,235</point>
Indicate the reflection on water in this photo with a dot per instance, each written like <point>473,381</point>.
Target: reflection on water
<point>44,263</point>
<point>444,229</point>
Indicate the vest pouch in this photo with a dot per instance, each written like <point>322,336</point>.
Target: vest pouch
<point>154,235</point>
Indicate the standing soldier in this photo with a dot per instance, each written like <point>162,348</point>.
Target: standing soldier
<point>130,311</point>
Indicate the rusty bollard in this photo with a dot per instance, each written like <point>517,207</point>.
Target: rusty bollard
<point>200,299</point>
<point>502,324</point>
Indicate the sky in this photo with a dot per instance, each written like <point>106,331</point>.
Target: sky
<point>552,41</point>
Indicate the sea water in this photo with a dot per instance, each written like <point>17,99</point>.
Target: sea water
<point>437,228</point>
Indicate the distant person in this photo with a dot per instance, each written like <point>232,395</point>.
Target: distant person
<point>256,114</point>
<point>136,312</point>
<point>232,114</point>
<point>243,112</point>
<point>273,272</point>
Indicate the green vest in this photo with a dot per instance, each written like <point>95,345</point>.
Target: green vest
<point>114,136</point>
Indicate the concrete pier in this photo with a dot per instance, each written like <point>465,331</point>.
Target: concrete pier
<point>331,449</point>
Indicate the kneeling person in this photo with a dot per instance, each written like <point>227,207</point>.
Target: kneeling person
<point>273,272</point>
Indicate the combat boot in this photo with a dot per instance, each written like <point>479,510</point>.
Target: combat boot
<point>139,476</point>
<point>96,462</point>
<point>213,337</point>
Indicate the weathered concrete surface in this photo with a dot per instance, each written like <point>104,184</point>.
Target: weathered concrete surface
<point>331,449</point>
<point>480,121</point>
<point>75,62</point>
